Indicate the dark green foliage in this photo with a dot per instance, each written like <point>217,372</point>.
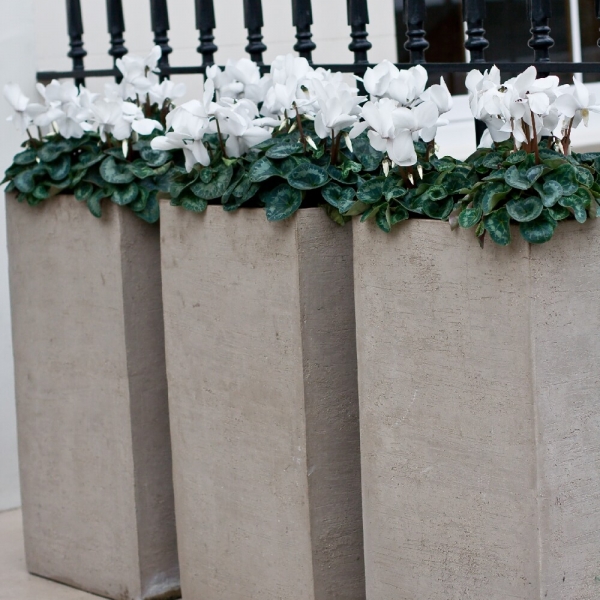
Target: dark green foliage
<point>512,187</point>
<point>92,172</point>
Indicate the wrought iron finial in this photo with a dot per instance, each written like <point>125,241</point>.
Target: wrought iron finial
<point>541,42</point>
<point>159,14</point>
<point>358,19</point>
<point>205,24</point>
<point>476,43</point>
<point>414,17</point>
<point>302,20</point>
<point>116,28</point>
<point>253,21</point>
<point>75,30</point>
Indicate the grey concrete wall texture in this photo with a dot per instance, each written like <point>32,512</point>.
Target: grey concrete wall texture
<point>261,364</point>
<point>92,408</point>
<point>480,429</point>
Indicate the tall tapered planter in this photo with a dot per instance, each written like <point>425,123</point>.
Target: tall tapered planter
<point>261,363</point>
<point>479,402</point>
<point>92,411</point>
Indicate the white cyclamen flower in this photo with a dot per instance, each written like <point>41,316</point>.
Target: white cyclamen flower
<point>385,80</point>
<point>138,73</point>
<point>338,107</point>
<point>19,103</point>
<point>159,93</point>
<point>577,103</point>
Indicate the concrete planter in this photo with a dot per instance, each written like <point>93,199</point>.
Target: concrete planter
<point>261,364</point>
<point>479,404</point>
<point>92,409</point>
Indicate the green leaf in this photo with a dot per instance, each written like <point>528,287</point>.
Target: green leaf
<point>348,178</point>
<point>25,181</point>
<point>139,204</point>
<point>370,212</point>
<point>51,150</point>
<point>83,191</point>
<point>308,176</point>
<point>42,192</point>
<point>584,177</point>
<point>435,193</point>
<point>340,197</point>
<point>27,157</point>
<point>398,214</point>
<point>358,208</point>
<point>140,169</point>
<point>284,149</point>
<point>123,195</point>
<point>194,204</point>
<point>151,212</point>
<point>368,157</point>
<point>262,170</point>
<point>498,226</point>
<point>438,209</point>
<point>444,164</point>
<point>493,193</point>
<point>282,202</point>
<point>383,219</point>
<point>516,157</point>
<point>470,217</point>
<point>534,173</point>
<point>492,161</point>
<point>59,169</point>
<point>94,203</point>
<point>87,159</point>
<point>217,186</point>
<point>525,209</point>
<point>558,213</point>
<point>550,192</point>
<point>335,215</point>
<point>577,206</point>
<point>516,179</point>
<point>539,230</point>
<point>565,176</point>
<point>154,158</point>
<point>371,191</point>
<point>116,172</point>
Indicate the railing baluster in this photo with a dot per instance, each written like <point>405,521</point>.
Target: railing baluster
<point>253,21</point>
<point>116,28</point>
<point>474,14</point>
<point>75,29</point>
<point>205,23</point>
<point>159,14</point>
<point>541,42</point>
<point>358,19</point>
<point>414,17</point>
<point>302,20</point>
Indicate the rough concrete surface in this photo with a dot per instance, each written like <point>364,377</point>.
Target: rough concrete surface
<point>92,407</point>
<point>261,363</point>
<point>479,391</point>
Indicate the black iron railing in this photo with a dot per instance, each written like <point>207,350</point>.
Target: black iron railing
<point>358,18</point>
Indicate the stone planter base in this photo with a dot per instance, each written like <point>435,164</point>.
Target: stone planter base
<point>480,413</point>
<point>92,410</point>
<point>261,363</point>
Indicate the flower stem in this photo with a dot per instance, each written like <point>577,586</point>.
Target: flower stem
<point>220,138</point>
<point>536,148</point>
<point>300,128</point>
<point>335,147</point>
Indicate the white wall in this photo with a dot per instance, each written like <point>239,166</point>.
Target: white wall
<point>16,64</point>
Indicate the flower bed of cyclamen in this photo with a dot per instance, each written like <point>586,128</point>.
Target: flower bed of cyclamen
<point>300,136</point>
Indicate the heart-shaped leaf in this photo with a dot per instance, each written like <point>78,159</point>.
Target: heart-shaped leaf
<point>558,213</point>
<point>358,208</point>
<point>25,181</point>
<point>94,203</point>
<point>383,218</point>
<point>516,157</point>
<point>282,202</point>
<point>154,158</point>
<point>371,191</point>
<point>27,157</point>
<point>565,176</point>
<point>116,172</point>
<point>525,209</point>
<point>370,158</point>
<point>516,179</point>
<point>217,185</point>
<point>497,224</point>
<point>83,191</point>
<point>492,193</point>
<point>435,193</point>
<point>125,194</point>
<point>194,204</point>
<point>438,209</point>
<point>59,169</point>
<point>577,206</point>
<point>470,217</point>
<point>308,176</point>
<point>151,212</point>
<point>141,169</point>
<point>584,176</point>
<point>539,230</point>
<point>550,192</point>
<point>283,149</point>
<point>341,197</point>
<point>263,169</point>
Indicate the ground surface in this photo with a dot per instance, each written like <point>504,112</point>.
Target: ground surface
<point>15,582</point>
